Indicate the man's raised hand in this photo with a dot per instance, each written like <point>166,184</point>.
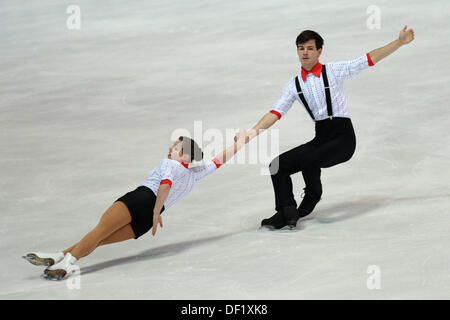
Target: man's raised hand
<point>406,35</point>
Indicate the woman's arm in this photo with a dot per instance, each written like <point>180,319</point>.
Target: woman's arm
<point>227,154</point>
<point>161,197</point>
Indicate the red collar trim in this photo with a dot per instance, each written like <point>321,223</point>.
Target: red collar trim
<point>184,164</point>
<point>316,70</point>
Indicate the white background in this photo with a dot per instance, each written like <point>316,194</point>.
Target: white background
<point>86,114</point>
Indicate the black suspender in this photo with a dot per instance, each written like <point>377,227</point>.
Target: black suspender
<point>302,97</point>
<point>327,94</point>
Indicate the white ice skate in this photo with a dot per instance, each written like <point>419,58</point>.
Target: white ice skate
<point>44,259</point>
<point>59,270</point>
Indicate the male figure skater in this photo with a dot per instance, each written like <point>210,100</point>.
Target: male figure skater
<point>320,88</point>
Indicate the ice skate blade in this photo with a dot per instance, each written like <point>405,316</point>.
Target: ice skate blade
<point>272,228</point>
<point>285,229</point>
<point>49,278</point>
<point>37,261</point>
<point>57,274</point>
<point>267,227</point>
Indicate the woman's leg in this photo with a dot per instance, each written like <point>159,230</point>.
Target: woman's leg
<point>116,217</point>
<point>124,233</point>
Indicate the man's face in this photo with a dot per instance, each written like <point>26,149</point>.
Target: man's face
<point>308,54</point>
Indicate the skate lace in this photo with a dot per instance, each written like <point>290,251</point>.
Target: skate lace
<point>303,193</point>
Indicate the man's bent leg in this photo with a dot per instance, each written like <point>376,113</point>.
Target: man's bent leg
<point>311,176</point>
<point>281,169</point>
<point>312,191</point>
<point>327,155</point>
<point>282,185</point>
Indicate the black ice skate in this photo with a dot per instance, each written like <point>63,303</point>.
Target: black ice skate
<point>274,222</point>
<point>291,216</point>
<point>309,202</point>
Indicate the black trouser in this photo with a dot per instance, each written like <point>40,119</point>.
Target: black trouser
<point>334,143</point>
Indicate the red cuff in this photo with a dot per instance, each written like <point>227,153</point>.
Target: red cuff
<point>369,59</point>
<point>276,113</point>
<point>166,181</point>
<point>216,162</point>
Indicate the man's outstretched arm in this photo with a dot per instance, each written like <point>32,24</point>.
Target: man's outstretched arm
<point>405,37</point>
<point>266,122</point>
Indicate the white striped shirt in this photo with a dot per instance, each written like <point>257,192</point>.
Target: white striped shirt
<point>180,178</point>
<point>314,90</point>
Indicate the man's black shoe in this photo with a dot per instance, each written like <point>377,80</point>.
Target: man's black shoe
<point>309,202</point>
<point>291,216</point>
<point>274,222</point>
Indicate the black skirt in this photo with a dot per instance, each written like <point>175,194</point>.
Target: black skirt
<point>140,203</point>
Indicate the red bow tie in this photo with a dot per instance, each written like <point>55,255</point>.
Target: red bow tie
<point>185,164</point>
<point>316,70</point>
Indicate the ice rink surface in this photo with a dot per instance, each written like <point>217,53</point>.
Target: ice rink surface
<point>86,113</point>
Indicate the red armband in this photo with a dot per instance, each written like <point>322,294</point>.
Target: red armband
<point>369,59</point>
<point>216,162</point>
<point>166,181</point>
<point>276,113</point>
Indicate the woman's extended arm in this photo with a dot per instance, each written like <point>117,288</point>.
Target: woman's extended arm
<point>228,153</point>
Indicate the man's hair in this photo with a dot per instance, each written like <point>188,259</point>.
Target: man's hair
<point>191,148</point>
<point>309,35</point>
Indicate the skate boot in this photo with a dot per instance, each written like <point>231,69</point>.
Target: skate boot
<point>44,259</point>
<point>61,269</point>
<point>309,202</point>
<point>291,216</point>
<point>274,222</point>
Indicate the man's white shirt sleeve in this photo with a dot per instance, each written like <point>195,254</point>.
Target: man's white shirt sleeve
<point>344,70</point>
<point>288,96</point>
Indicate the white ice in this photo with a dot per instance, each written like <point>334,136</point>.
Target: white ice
<point>86,113</point>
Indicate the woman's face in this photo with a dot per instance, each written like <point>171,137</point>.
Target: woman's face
<point>176,154</point>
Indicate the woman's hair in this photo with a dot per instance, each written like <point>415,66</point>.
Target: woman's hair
<point>308,35</point>
<point>191,148</point>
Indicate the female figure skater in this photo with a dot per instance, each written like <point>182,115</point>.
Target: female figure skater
<point>138,211</point>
